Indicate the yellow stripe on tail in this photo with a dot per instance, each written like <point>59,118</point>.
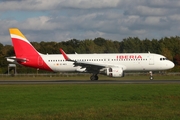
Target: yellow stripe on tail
<point>16,31</point>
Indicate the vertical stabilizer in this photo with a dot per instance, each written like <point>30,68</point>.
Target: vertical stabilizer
<point>22,46</point>
<point>26,54</point>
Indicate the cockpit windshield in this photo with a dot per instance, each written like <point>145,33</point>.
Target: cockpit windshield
<point>163,59</point>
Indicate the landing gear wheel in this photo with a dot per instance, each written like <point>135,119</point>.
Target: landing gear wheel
<point>151,77</point>
<point>94,77</point>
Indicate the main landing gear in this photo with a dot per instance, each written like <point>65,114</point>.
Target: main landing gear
<point>94,77</point>
<point>151,75</point>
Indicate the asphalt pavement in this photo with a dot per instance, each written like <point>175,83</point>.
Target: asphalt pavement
<point>90,82</point>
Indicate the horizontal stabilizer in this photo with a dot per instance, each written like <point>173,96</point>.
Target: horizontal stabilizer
<point>14,59</point>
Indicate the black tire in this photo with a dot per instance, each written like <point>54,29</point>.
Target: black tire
<point>94,77</point>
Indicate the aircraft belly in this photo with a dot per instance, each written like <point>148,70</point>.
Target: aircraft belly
<point>134,66</point>
<point>141,66</point>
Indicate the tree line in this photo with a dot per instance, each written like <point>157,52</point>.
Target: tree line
<point>167,46</point>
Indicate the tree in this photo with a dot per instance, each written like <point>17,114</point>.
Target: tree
<point>99,41</point>
<point>131,45</point>
<point>176,59</point>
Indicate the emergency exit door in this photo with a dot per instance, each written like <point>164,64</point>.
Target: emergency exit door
<point>151,60</point>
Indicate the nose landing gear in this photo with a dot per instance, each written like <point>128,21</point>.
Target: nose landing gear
<point>151,75</point>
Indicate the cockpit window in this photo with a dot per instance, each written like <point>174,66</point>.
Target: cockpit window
<point>163,59</point>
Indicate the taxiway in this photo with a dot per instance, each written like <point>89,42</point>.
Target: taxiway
<point>90,82</point>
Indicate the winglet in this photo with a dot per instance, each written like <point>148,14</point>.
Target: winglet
<point>65,55</point>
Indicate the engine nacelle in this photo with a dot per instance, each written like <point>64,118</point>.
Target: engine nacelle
<point>115,72</point>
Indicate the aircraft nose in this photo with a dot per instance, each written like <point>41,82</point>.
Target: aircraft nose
<point>171,64</point>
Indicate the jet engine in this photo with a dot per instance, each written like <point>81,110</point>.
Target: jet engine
<point>114,72</point>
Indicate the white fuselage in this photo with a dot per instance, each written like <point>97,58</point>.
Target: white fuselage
<point>128,62</point>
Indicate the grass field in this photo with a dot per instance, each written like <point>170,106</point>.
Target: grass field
<point>90,101</point>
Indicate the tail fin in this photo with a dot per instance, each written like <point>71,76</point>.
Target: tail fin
<point>22,46</point>
<point>26,54</point>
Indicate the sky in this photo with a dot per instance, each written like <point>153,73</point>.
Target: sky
<point>62,20</point>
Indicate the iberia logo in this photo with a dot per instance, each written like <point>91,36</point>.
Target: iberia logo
<point>129,57</point>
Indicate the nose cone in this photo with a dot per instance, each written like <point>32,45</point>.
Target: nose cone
<point>170,65</point>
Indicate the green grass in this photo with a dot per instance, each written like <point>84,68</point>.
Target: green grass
<point>90,101</point>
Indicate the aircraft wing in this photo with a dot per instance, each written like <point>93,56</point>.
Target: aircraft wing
<point>90,67</point>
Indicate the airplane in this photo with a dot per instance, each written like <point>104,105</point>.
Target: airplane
<point>110,64</point>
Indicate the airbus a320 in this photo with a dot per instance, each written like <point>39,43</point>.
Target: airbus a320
<point>111,64</point>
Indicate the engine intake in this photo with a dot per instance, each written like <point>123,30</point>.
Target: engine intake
<point>115,72</point>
